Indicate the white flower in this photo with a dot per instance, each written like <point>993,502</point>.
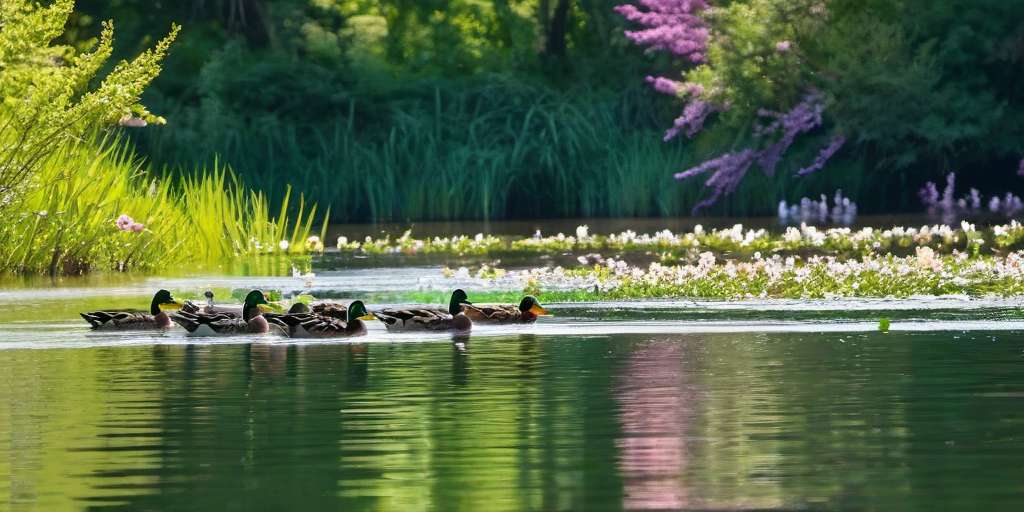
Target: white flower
<point>283,245</point>
<point>582,232</point>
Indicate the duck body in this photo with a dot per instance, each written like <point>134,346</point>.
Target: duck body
<point>226,324</point>
<point>526,312</point>
<point>126,320</point>
<point>301,322</point>
<point>203,324</point>
<point>427,318</point>
<point>317,326</point>
<point>157,318</point>
<point>421,319</point>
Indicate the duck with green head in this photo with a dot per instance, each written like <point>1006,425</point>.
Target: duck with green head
<point>157,317</point>
<point>218,324</point>
<point>526,312</point>
<point>428,318</point>
<point>305,324</point>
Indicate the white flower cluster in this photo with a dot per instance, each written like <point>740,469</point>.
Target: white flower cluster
<point>925,272</point>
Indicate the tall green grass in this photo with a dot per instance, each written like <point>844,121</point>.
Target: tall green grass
<point>64,223</point>
<point>492,149</point>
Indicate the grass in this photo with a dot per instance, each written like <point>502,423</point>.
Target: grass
<point>65,220</point>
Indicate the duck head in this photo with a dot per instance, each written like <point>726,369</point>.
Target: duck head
<point>251,306</point>
<point>458,299</point>
<point>357,311</point>
<point>530,305</point>
<point>163,301</point>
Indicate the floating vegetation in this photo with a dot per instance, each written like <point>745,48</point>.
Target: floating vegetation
<point>736,241</point>
<point>795,277</point>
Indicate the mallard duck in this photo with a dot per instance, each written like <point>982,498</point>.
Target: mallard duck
<point>525,313</point>
<point>157,317</point>
<point>221,324</point>
<point>311,325</point>
<point>427,318</point>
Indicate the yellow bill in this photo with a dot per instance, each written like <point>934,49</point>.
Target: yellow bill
<point>539,311</point>
<point>170,306</point>
<point>368,316</point>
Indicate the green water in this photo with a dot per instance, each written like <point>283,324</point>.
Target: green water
<point>717,421</point>
<point>772,405</point>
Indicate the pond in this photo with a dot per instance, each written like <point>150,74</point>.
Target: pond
<point>652,405</point>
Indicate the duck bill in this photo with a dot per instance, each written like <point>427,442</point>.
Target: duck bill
<point>368,316</point>
<point>170,306</point>
<point>539,311</point>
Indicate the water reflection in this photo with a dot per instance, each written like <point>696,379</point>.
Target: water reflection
<point>657,401</point>
<point>529,422</point>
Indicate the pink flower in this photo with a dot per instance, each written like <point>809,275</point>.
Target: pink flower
<point>136,227</point>
<point>124,222</point>
<point>782,46</point>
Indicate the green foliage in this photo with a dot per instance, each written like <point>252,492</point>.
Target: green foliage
<point>67,224</point>
<point>64,189</point>
<point>46,98</point>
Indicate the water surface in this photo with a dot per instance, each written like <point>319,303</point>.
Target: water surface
<point>653,405</point>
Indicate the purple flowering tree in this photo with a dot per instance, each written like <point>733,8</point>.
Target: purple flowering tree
<point>714,45</point>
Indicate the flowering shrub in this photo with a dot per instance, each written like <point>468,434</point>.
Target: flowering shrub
<point>683,27</point>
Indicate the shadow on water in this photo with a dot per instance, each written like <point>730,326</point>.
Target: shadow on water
<point>524,422</point>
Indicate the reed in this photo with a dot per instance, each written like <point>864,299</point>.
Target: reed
<point>465,150</point>
<point>66,220</point>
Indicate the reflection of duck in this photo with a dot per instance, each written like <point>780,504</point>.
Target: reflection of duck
<point>157,317</point>
<point>219,324</point>
<point>526,312</point>
<point>427,318</point>
<point>311,325</point>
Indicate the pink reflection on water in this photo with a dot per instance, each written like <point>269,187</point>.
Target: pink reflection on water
<point>657,402</point>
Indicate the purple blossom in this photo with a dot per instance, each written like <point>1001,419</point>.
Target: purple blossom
<point>782,46</point>
<point>665,85</point>
<point>675,26</point>
<point>729,169</point>
<point>824,155</point>
<point>1020,168</point>
<point>802,118</point>
<point>691,122</point>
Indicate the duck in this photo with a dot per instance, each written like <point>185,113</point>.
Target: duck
<point>526,312</point>
<point>223,324</point>
<point>428,318</point>
<point>312,325</point>
<point>157,318</point>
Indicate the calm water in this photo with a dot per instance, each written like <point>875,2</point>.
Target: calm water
<point>651,406</point>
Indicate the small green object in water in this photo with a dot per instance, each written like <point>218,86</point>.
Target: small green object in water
<point>883,325</point>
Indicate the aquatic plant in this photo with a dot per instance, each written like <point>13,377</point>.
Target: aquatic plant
<point>736,240</point>
<point>712,277</point>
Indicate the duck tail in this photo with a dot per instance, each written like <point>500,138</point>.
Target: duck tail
<point>93,320</point>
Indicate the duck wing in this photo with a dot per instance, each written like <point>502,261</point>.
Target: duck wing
<point>433,319</point>
<point>120,320</point>
<point>492,313</point>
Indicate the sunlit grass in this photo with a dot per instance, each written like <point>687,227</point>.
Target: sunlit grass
<point>65,222</point>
